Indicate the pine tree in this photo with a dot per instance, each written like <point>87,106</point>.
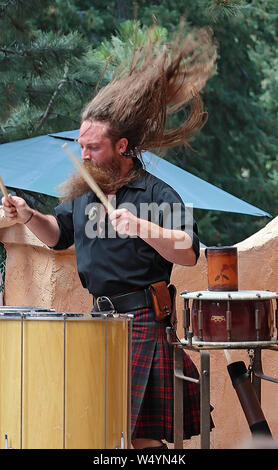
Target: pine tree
<point>44,76</point>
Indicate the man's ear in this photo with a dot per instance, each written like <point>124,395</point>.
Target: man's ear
<point>121,145</point>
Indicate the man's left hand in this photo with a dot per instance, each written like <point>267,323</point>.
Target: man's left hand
<point>124,222</point>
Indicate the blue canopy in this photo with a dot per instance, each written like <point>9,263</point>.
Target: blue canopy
<point>40,164</point>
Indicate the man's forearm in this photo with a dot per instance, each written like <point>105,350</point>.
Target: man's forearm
<point>174,245</point>
<point>45,227</point>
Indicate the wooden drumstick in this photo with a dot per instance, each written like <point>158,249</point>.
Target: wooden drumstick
<point>87,177</point>
<point>4,190</point>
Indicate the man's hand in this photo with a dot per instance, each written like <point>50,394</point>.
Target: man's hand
<point>124,222</point>
<point>16,209</point>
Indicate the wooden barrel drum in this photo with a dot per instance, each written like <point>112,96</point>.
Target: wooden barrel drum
<point>65,380</point>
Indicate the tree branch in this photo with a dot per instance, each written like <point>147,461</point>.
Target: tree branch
<point>53,98</point>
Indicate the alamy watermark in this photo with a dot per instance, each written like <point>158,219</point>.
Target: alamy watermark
<point>169,217</point>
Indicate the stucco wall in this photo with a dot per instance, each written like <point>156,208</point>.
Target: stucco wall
<point>38,276</point>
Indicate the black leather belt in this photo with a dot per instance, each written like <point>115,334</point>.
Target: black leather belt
<point>124,302</point>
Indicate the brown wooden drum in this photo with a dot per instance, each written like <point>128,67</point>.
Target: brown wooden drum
<point>232,316</point>
<point>64,380</point>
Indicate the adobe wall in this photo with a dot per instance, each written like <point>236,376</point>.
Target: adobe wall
<point>37,276</point>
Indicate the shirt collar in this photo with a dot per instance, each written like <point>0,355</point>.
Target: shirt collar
<point>139,183</point>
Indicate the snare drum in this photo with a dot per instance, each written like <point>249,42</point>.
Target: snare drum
<point>236,316</point>
<point>64,380</point>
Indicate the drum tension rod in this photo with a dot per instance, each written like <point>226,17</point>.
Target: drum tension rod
<point>7,442</point>
<point>186,317</point>
<point>228,320</point>
<point>200,320</point>
<point>258,321</point>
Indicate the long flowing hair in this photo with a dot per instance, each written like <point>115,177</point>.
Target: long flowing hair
<point>162,79</point>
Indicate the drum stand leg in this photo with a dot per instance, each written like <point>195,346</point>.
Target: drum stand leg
<point>204,398</point>
<point>257,365</point>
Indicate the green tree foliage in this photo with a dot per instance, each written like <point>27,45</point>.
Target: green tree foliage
<point>53,53</point>
<point>44,76</point>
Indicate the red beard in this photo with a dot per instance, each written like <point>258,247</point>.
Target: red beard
<point>108,178</point>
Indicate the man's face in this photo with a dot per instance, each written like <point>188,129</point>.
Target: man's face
<point>101,159</point>
<point>95,144</point>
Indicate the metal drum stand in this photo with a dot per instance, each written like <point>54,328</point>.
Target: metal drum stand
<point>197,340</point>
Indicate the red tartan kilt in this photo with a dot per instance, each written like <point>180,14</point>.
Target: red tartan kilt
<point>152,399</point>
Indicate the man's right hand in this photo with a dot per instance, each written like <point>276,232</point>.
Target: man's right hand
<point>44,226</point>
<point>16,209</point>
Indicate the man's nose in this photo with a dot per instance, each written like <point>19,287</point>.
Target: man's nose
<point>85,154</point>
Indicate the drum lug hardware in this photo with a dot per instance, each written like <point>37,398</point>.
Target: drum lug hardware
<point>228,321</point>
<point>7,443</point>
<point>200,319</point>
<point>122,446</point>
<point>251,355</point>
<point>186,317</point>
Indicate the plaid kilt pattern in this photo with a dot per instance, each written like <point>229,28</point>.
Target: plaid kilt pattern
<point>152,397</point>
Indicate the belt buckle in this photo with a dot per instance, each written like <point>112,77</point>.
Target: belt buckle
<point>103,298</point>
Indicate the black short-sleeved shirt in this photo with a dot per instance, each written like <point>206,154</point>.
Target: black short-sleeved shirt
<point>109,263</point>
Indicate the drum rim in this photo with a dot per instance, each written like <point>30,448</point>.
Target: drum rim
<point>59,316</point>
<point>230,295</point>
<point>229,344</point>
<point>25,308</point>
<point>41,315</point>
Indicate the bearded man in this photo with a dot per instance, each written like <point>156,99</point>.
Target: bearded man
<point>125,118</point>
